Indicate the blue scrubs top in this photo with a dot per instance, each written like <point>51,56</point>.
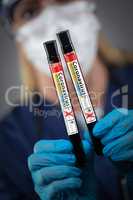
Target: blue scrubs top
<point>120,88</point>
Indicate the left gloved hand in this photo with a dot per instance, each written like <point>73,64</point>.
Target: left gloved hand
<point>53,171</point>
<point>116,133</point>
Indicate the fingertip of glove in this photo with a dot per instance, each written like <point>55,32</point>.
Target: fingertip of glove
<point>86,136</point>
<point>87,146</point>
<point>97,129</point>
<point>77,182</point>
<point>38,146</point>
<point>29,162</point>
<point>107,151</point>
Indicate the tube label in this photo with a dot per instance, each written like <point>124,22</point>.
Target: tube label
<point>63,95</point>
<point>80,87</point>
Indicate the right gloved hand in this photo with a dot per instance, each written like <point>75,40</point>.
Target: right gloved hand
<point>53,169</point>
<point>116,133</point>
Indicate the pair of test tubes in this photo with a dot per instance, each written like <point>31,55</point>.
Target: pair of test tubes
<point>76,75</point>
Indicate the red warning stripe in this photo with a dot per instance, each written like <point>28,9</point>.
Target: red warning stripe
<point>56,67</point>
<point>69,57</point>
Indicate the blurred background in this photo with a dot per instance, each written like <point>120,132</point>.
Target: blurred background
<point>117,22</point>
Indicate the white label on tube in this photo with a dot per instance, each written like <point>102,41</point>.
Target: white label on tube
<point>81,89</point>
<point>62,91</point>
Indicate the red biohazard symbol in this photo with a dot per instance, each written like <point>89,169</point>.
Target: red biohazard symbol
<point>89,115</point>
<point>68,114</point>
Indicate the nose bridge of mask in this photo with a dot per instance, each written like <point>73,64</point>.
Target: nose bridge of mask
<point>78,6</point>
<point>69,17</point>
<point>75,9</point>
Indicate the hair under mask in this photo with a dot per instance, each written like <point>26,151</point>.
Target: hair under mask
<point>6,9</point>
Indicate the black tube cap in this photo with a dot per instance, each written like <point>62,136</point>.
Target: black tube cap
<point>52,51</point>
<point>65,41</point>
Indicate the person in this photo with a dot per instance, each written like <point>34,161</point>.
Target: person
<point>37,160</point>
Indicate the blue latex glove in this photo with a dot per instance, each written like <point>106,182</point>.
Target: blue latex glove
<point>116,133</point>
<point>54,173</point>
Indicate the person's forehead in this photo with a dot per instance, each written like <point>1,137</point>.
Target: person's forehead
<point>9,4</point>
<point>41,1</point>
<point>6,2</point>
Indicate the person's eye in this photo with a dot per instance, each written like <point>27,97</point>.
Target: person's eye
<point>29,14</point>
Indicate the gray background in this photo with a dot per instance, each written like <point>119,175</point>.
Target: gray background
<point>116,17</point>
<point>9,70</point>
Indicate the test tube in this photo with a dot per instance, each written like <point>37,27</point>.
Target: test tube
<point>64,99</point>
<point>74,69</point>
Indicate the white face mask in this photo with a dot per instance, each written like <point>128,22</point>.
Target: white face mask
<point>78,17</point>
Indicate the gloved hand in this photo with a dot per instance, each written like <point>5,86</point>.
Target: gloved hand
<point>53,170</point>
<point>116,133</point>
